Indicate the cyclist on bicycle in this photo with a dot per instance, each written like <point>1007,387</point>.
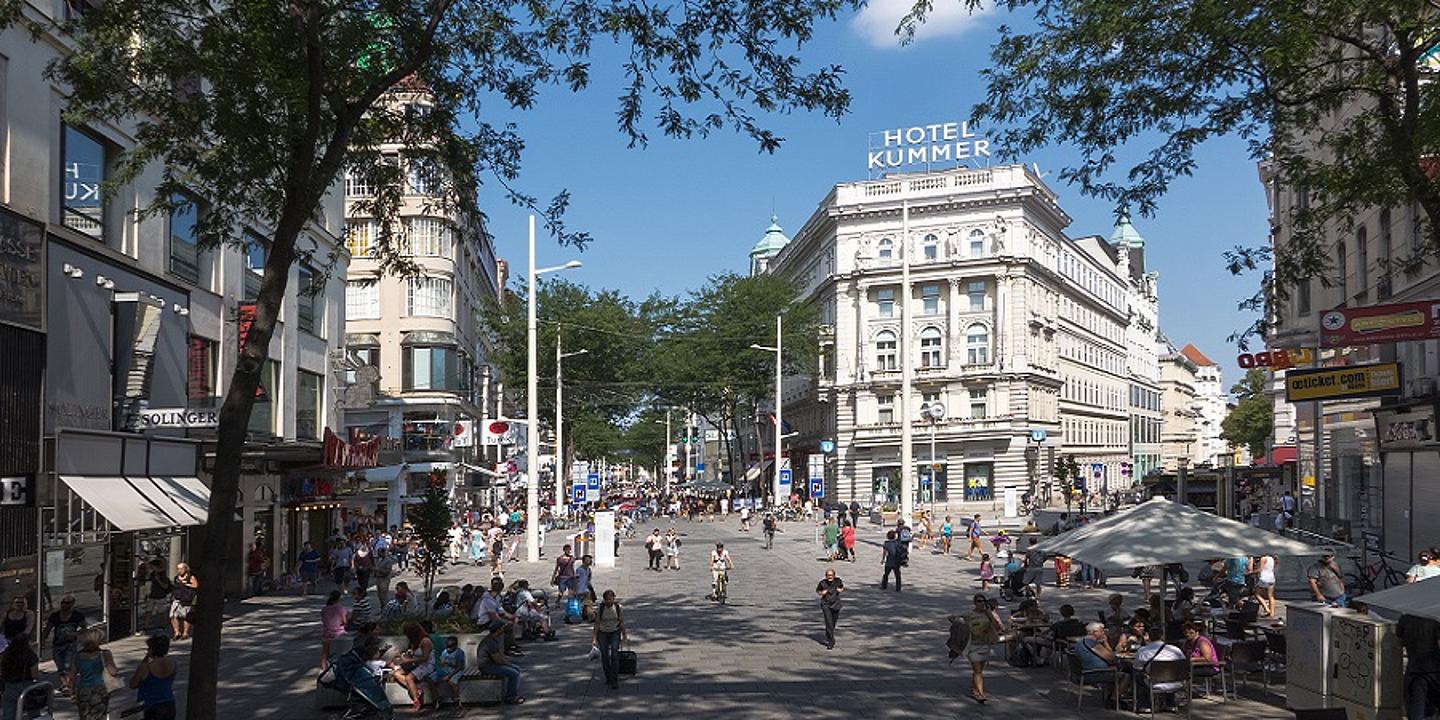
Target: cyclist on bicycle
<point>720,566</point>
<point>769,525</point>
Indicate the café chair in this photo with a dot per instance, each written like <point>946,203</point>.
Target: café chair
<point>1082,679</point>
<point>1158,672</point>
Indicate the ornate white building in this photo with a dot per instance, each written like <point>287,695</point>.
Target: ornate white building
<point>1011,325</point>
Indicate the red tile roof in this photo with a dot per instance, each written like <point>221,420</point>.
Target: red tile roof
<point>1195,356</point>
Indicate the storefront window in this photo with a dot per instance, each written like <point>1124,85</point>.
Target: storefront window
<point>262,416</point>
<point>82,176</point>
<point>185,256</point>
<point>307,405</point>
<point>254,266</point>
<point>310,300</point>
<point>431,368</point>
<point>425,432</point>
<point>886,484</point>
<point>932,489</point>
<point>979,481</point>
<point>200,376</point>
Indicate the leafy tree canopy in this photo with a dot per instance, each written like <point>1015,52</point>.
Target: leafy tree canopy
<point>1336,96</point>
<point>1252,421</point>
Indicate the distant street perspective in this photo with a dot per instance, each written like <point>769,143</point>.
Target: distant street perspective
<point>723,359</point>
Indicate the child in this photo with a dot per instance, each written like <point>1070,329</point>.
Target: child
<point>987,571</point>
<point>946,531</point>
<point>451,667</point>
<point>1000,540</point>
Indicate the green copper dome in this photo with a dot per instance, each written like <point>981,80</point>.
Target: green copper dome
<point>772,242</point>
<point>1125,234</point>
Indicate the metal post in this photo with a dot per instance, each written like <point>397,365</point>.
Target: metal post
<point>532,418</point>
<point>779,415</point>
<point>933,468</point>
<point>669,448</point>
<point>560,473</point>
<point>907,370</point>
<point>1181,492</point>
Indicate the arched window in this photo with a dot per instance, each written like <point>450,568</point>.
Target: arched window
<point>977,345</point>
<point>1342,267</point>
<point>932,247</point>
<point>886,249</point>
<point>885,351</point>
<point>931,347</point>
<point>977,243</point>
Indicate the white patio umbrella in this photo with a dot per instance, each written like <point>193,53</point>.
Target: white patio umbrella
<point>1421,599</point>
<point>1159,532</point>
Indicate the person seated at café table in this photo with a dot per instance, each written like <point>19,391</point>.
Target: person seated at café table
<point>1115,615</point>
<point>1201,651</point>
<point>1156,650</point>
<point>1184,605</point>
<point>1096,655</point>
<point>1029,614</point>
<point>1133,635</point>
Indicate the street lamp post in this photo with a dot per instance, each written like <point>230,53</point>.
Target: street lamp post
<point>934,412</point>
<point>779,417</point>
<point>532,406</point>
<point>561,470</point>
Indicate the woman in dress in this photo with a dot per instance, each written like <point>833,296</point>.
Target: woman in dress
<point>332,625</point>
<point>985,630</point>
<point>417,663</point>
<point>19,619</point>
<point>671,544</point>
<point>87,676</point>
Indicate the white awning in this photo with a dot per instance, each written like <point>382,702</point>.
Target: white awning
<point>190,494</point>
<point>119,502</point>
<point>159,495</point>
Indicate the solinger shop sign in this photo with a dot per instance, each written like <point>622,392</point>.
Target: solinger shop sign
<point>153,418</point>
<point>1344,382</point>
<point>1380,324</point>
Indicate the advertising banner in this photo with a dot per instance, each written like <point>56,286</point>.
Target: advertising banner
<point>1380,324</point>
<point>1409,429</point>
<point>1343,382</point>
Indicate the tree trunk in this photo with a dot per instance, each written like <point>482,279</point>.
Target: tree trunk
<point>209,566</point>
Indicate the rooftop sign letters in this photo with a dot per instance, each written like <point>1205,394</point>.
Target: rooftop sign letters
<point>1380,324</point>
<point>1344,382</point>
<point>925,147</point>
<point>152,418</point>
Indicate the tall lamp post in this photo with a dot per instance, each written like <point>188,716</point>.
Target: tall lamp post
<point>933,412</point>
<point>560,468</point>
<point>532,406</point>
<point>779,421</point>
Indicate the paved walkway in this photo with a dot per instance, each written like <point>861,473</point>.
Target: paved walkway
<point>760,656</point>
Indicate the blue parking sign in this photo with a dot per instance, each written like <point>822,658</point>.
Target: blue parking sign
<point>817,488</point>
<point>577,494</point>
<point>785,476</point>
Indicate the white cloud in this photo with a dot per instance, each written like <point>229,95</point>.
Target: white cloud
<point>876,22</point>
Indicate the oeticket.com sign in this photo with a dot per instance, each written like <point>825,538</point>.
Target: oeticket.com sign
<point>1345,382</point>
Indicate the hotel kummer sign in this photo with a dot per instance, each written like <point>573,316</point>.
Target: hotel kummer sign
<point>937,145</point>
<point>22,270</point>
<point>1373,324</point>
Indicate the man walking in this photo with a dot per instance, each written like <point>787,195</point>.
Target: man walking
<point>769,526</point>
<point>656,552</point>
<point>975,532</point>
<point>891,560</point>
<point>1325,580</point>
<point>829,591</point>
<point>832,540</point>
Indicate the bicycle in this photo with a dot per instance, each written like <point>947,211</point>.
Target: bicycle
<point>1369,578</point>
<point>722,582</point>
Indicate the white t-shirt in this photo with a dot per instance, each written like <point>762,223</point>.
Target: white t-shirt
<point>744,513</point>
<point>1159,651</point>
<point>1423,572</point>
<point>488,609</point>
<point>720,560</point>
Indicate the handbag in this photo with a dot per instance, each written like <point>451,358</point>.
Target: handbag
<point>625,662</point>
<point>113,683</point>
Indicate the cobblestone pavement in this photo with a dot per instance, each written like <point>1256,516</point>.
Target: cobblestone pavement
<point>759,656</point>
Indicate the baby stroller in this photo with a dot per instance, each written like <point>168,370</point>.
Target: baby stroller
<point>34,702</point>
<point>364,692</point>
<point>1014,587</point>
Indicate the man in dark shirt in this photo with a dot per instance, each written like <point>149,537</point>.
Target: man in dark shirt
<point>892,559</point>
<point>1067,626</point>
<point>66,624</point>
<point>829,591</point>
<point>1421,638</point>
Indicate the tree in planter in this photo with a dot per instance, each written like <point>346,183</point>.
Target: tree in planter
<point>1065,472</point>
<point>1252,421</point>
<point>258,106</point>
<point>432,519</point>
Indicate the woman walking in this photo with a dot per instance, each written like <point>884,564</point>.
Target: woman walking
<point>1265,585</point>
<point>608,634</point>
<point>92,666</point>
<point>332,625</point>
<point>985,628</point>
<point>19,667</point>
<point>672,549</point>
<point>154,680</point>
<point>19,619</point>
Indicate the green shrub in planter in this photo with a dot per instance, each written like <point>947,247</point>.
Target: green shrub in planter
<point>454,624</point>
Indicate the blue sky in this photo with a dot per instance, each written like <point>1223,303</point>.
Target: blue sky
<point>667,216</point>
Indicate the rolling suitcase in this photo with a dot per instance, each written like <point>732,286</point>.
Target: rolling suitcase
<point>626,661</point>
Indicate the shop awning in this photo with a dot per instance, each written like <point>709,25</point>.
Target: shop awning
<point>122,504</point>
<point>189,493</point>
<point>1280,455</point>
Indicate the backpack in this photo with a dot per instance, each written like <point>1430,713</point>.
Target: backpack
<point>1021,656</point>
<point>959,637</point>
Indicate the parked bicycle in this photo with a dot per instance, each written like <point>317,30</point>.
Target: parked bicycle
<point>1377,575</point>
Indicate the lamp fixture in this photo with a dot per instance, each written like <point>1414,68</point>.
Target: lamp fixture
<point>99,279</point>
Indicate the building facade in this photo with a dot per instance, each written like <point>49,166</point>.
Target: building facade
<point>419,363</point>
<point>1019,331</point>
<point>1365,465</point>
<point>1142,336</point>
<point>142,333</point>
